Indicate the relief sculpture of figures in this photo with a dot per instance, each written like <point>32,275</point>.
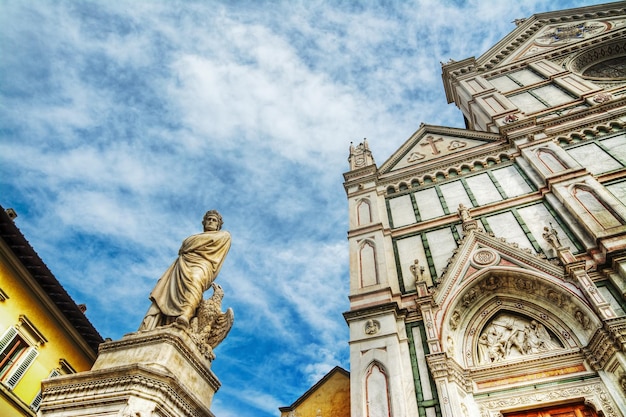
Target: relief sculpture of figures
<point>179,291</point>
<point>512,336</point>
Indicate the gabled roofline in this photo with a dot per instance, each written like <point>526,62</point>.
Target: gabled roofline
<point>439,130</point>
<point>536,22</point>
<point>524,30</point>
<point>25,253</point>
<point>336,369</point>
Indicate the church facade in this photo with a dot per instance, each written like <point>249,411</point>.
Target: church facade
<point>488,264</point>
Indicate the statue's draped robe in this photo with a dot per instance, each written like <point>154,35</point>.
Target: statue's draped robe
<point>199,261</point>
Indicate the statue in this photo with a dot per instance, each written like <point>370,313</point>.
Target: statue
<point>551,236</point>
<point>211,326</point>
<point>417,271</point>
<point>464,213</point>
<point>178,293</point>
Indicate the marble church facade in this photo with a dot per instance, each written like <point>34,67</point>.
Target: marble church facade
<point>488,264</point>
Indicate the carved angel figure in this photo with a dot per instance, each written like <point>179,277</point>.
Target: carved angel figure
<point>211,325</point>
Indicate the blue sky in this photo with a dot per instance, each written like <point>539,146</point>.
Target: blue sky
<point>121,123</point>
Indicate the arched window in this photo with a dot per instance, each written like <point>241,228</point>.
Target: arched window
<point>593,205</point>
<point>367,264</point>
<point>363,212</point>
<point>550,160</point>
<point>377,392</point>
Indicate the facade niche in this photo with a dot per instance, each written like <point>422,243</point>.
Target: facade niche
<point>595,207</point>
<point>377,391</point>
<point>368,270</point>
<point>364,212</point>
<point>550,160</point>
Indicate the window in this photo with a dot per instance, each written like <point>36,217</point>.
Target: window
<point>16,356</point>
<point>541,98</point>
<point>36,402</point>
<point>515,80</point>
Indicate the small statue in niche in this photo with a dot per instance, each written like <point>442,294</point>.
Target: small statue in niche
<point>417,271</point>
<point>551,236</point>
<point>464,213</point>
<point>454,320</point>
<point>450,349</point>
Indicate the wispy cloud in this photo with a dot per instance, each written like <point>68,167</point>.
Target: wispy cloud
<point>123,122</point>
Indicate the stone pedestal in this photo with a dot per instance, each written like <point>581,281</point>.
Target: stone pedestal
<point>154,373</point>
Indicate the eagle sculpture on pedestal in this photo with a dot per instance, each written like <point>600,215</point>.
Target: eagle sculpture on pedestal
<point>211,325</point>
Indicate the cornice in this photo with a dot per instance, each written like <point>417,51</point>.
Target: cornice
<point>479,153</point>
<point>353,175</point>
<point>376,227</point>
<point>99,387</point>
<point>514,367</point>
<point>591,116</point>
<point>374,310</point>
<point>174,335</point>
<point>600,349</point>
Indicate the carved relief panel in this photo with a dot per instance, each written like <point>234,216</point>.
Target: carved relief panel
<point>510,336</point>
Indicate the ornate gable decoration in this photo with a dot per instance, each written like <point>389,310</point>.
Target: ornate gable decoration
<point>495,304</point>
<point>432,143</point>
<point>558,35</point>
<point>479,251</point>
<point>541,33</point>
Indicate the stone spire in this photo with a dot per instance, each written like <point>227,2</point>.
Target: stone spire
<point>360,156</point>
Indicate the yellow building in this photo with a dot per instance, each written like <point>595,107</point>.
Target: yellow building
<point>43,332</point>
<point>329,397</point>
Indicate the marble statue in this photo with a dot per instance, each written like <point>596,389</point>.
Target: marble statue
<point>551,236</point>
<point>179,291</point>
<point>211,325</point>
<point>464,213</point>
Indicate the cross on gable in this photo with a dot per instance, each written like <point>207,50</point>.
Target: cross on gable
<point>432,143</point>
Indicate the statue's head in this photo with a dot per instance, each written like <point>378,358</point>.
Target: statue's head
<point>212,216</point>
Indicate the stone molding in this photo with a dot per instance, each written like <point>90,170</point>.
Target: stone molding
<point>165,335</point>
<point>606,342</point>
<point>594,394</point>
<point>112,389</point>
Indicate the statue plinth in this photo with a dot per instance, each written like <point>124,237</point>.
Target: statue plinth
<point>148,373</point>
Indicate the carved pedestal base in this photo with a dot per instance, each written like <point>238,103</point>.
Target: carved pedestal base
<point>146,374</point>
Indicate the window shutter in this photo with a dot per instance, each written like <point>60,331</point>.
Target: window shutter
<point>7,337</point>
<point>36,402</point>
<point>26,360</point>
<point>34,405</point>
